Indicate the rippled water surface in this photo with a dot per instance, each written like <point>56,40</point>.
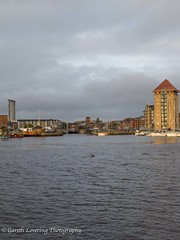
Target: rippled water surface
<point>88,187</point>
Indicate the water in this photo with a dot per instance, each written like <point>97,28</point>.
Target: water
<point>53,188</point>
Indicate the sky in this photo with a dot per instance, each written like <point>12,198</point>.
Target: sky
<point>68,59</point>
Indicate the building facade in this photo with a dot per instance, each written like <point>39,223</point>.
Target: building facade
<point>132,124</point>
<point>11,110</point>
<point>3,120</point>
<point>88,121</point>
<point>166,114</point>
<point>44,123</point>
<point>149,117</point>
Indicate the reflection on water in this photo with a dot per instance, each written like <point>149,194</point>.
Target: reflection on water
<point>163,140</point>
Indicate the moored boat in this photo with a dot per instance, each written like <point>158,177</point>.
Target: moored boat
<point>29,133</point>
<point>16,135</point>
<point>157,134</point>
<point>140,133</point>
<point>102,134</point>
<point>4,137</point>
<point>173,134</point>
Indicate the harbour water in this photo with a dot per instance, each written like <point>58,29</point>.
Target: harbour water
<point>89,187</point>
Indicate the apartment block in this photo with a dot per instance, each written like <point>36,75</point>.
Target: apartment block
<point>44,123</point>
<point>149,117</point>
<point>166,114</point>
<point>131,124</point>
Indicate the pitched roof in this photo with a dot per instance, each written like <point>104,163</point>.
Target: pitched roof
<point>165,85</point>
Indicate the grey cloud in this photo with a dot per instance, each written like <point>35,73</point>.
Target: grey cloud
<point>76,58</point>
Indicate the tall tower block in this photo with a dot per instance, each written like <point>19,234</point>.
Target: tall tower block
<point>11,110</point>
<point>166,106</point>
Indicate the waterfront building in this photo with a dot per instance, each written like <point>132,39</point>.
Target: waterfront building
<point>11,110</point>
<point>88,121</point>
<point>166,114</point>
<point>44,123</point>
<point>131,124</point>
<point>126,124</point>
<point>112,125</point>
<point>149,117</point>
<point>3,120</point>
<point>138,123</point>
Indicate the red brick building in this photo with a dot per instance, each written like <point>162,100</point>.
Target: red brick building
<point>3,120</point>
<point>130,124</point>
<point>88,121</point>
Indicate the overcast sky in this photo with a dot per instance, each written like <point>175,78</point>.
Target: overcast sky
<point>73,58</point>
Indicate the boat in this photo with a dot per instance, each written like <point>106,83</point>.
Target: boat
<point>48,134</point>
<point>29,133</point>
<point>102,134</point>
<point>157,134</point>
<point>173,134</point>
<point>140,133</point>
<point>16,135</point>
<point>4,137</point>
